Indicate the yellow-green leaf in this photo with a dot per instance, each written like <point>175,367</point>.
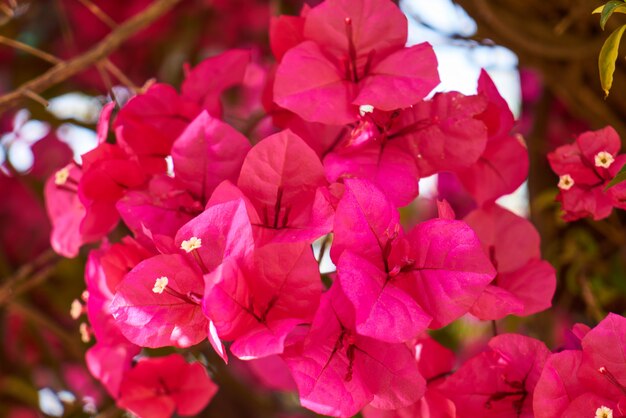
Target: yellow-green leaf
<point>609,9</point>
<point>619,177</point>
<point>606,60</point>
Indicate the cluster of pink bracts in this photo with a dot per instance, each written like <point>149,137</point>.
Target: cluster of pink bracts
<point>221,234</point>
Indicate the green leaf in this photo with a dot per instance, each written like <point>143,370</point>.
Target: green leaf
<point>619,177</point>
<point>606,60</point>
<point>608,9</point>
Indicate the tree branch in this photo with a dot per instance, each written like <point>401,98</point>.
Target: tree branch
<point>36,270</point>
<point>103,49</point>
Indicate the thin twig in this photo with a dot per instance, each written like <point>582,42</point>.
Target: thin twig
<point>70,343</point>
<point>499,21</point>
<point>608,231</point>
<point>117,73</point>
<point>99,13</point>
<point>29,49</point>
<point>66,30</point>
<point>67,69</point>
<point>590,300</point>
<point>34,281</point>
<point>11,282</point>
<point>34,96</point>
<point>107,81</point>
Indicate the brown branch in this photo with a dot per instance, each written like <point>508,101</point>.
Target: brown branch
<point>101,50</point>
<point>34,96</point>
<point>33,269</point>
<point>121,77</point>
<point>593,308</point>
<point>30,50</point>
<point>511,30</point>
<point>99,13</point>
<point>70,342</point>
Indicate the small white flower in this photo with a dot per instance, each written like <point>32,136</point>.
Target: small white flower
<point>604,159</point>
<point>565,182</point>
<point>363,109</point>
<point>61,176</point>
<point>604,412</point>
<point>191,244</point>
<point>160,284</point>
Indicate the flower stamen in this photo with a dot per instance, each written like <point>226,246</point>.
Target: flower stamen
<point>604,412</point>
<point>160,284</point>
<point>604,159</point>
<point>565,182</point>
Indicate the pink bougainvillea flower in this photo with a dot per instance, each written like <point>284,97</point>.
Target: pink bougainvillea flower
<point>108,172</point>
<point>395,149</point>
<point>158,387</point>
<point>272,372</point>
<point>585,168</point>
<point>205,83</point>
<point>82,384</point>
<point>500,381</point>
<point>400,284</point>
<point>525,284</point>
<point>155,213</point>
<point>444,133</point>
<point>112,354</point>
<point>159,301</point>
<point>259,303</point>
<point>104,271</point>
<point>109,363</point>
<point>66,212</point>
<point>207,152</point>
<point>220,232</point>
<point>503,166</point>
<point>50,154</point>
<point>161,113</point>
<point>435,362</point>
<point>497,116</point>
<point>387,164</point>
<point>500,170</point>
<point>338,371</point>
<point>284,180</point>
<point>286,32</point>
<point>589,380</point>
<point>353,54</point>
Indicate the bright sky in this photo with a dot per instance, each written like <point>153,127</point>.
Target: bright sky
<point>460,61</point>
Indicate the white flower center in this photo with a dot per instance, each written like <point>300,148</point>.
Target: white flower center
<point>604,412</point>
<point>160,284</point>
<point>565,182</point>
<point>604,159</point>
<point>363,109</point>
<point>61,176</point>
<point>191,244</point>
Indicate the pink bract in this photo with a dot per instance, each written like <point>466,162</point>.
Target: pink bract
<point>156,387</point>
<point>351,54</point>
